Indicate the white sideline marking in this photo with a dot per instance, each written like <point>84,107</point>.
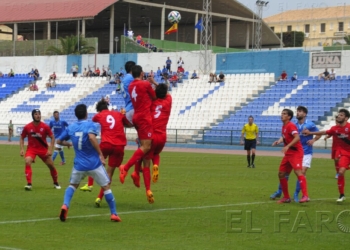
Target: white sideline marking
<point>151,211</point>
<point>9,248</point>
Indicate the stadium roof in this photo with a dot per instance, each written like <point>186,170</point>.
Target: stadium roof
<point>13,11</point>
<point>338,12</point>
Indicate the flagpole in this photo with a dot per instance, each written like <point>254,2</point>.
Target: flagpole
<point>177,36</point>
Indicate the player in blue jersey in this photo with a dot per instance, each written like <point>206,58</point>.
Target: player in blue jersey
<point>88,161</point>
<point>306,141</point>
<point>128,78</point>
<point>58,126</point>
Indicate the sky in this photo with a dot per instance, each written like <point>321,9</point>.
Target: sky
<point>277,6</point>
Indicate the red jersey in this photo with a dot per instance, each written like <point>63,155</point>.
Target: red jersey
<point>37,135</point>
<point>341,138</point>
<point>112,127</point>
<point>161,109</point>
<point>288,132</point>
<point>141,94</point>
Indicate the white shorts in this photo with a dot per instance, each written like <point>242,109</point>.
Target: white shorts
<point>129,115</point>
<point>58,146</point>
<point>99,174</point>
<point>307,161</point>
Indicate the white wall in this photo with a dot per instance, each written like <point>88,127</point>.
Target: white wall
<point>101,60</point>
<point>343,70</point>
<point>23,64</point>
<point>151,61</point>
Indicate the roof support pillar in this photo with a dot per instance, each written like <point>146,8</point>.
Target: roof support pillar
<point>162,24</point>
<point>196,30</point>
<point>48,30</point>
<point>83,28</point>
<point>247,36</point>
<point>228,32</point>
<point>111,30</point>
<point>15,32</point>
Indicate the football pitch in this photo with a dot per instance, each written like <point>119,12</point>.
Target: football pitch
<point>202,201</point>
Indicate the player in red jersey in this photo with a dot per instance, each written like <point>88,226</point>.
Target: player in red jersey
<point>113,139</point>
<point>293,157</point>
<point>342,131</point>
<point>142,95</point>
<point>37,132</point>
<point>334,146</point>
<point>161,109</point>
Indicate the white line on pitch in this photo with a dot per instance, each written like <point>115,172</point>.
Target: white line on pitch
<point>9,248</point>
<point>150,211</point>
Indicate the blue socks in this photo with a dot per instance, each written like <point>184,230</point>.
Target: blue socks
<point>280,187</point>
<point>54,155</point>
<point>111,201</point>
<point>297,187</point>
<point>68,195</point>
<point>62,156</point>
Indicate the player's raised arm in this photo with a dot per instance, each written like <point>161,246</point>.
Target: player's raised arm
<point>308,132</point>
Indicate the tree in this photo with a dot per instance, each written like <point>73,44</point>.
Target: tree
<point>69,46</point>
<point>347,39</point>
<point>292,38</point>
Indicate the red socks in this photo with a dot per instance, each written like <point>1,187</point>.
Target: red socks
<point>100,195</point>
<point>90,181</point>
<point>147,177</point>
<point>54,175</point>
<point>303,185</point>
<point>138,166</point>
<point>138,155</point>
<point>336,166</point>
<point>341,184</point>
<point>156,159</point>
<point>284,185</point>
<point>28,173</point>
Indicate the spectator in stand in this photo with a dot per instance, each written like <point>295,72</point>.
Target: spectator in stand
<point>31,73</point>
<point>160,50</point>
<point>159,72</point>
<point>221,77</point>
<point>74,70</point>
<point>109,74</point>
<point>180,63</point>
<point>52,77</point>
<point>294,77</point>
<point>97,72</point>
<point>85,73</point>
<point>168,64</point>
<point>33,87</point>
<point>173,80</point>
<point>164,71</point>
<point>104,73</point>
<point>324,75</point>
<point>130,34</point>
<point>212,78</point>
<point>283,76</point>
<point>36,74</point>
<point>122,72</point>
<point>1,74</point>
<point>10,127</point>
<point>11,73</point>
<point>332,75</point>
<point>52,81</point>
<point>194,75</point>
<point>151,74</point>
<point>179,76</point>
<point>166,81</point>
<point>181,69</point>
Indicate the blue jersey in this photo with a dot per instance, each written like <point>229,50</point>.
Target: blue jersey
<point>125,90</point>
<point>304,139</point>
<point>86,156</point>
<point>58,127</point>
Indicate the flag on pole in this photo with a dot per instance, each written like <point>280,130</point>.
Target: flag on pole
<point>125,30</point>
<point>172,29</point>
<point>199,25</point>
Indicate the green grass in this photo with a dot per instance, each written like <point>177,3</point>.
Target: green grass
<point>186,213</point>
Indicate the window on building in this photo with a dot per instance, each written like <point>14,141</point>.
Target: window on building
<point>323,27</point>
<point>272,28</point>
<point>289,28</point>
<point>340,26</point>
<point>307,28</point>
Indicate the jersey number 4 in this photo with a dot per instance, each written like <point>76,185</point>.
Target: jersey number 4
<point>134,94</point>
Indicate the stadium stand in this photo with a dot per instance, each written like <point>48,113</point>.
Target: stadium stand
<point>12,85</point>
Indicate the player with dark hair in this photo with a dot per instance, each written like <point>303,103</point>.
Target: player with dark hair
<point>113,140</point>
<point>293,157</point>
<point>88,161</point>
<point>142,95</point>
<point>37,132</point>
<point>251,131</point>
<point>306,142</point>
<point>160,109</point>
<point>342,131</point>
<point>58,126</point>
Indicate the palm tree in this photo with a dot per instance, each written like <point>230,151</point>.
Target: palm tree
<point>347,39</point>
<point>69,46</point>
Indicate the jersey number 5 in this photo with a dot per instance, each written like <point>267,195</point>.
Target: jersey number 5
<point>133,93</point>
<point>111,121</point>
<point>158,111</point>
